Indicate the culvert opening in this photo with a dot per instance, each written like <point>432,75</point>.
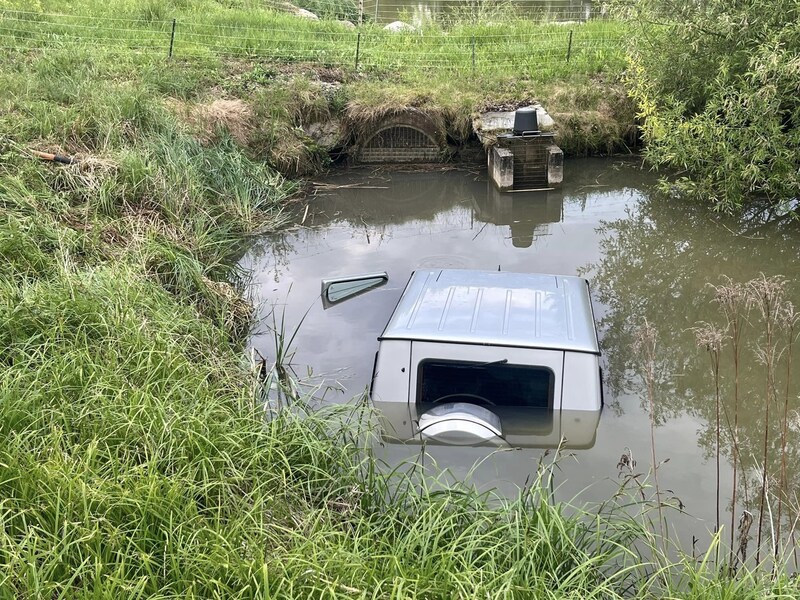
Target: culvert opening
<point>400,143</point>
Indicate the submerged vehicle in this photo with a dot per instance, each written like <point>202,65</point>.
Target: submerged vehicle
<point>474,357</point>
<point>487,357</point>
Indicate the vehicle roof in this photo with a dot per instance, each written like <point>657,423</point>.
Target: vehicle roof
<point>527,310</point>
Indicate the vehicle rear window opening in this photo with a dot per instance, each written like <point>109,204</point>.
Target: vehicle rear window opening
<point>486,384</point>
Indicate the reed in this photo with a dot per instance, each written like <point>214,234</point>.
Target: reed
<point>734,302</point>
<point>789,319</point>
<point>774,320</point>
<point>711,339</point>
<point>768,297</point>
<point>646,344</point>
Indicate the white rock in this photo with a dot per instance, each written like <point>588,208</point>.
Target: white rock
<point>347,24</point>
<point>306,14</point>
<point>397,26</point>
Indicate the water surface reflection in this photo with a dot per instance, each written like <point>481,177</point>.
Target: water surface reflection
<point>398,222</point>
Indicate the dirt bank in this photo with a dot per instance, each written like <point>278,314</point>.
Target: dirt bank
<point>304,120</point>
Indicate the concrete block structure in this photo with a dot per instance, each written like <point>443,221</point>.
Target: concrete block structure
<point>501,167</point>
<point>526,162</point>
<point>522,157</point>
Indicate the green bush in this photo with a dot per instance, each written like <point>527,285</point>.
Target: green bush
<point>716,86</point>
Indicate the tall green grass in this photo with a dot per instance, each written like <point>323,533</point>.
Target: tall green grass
<point>134,460</point>
<point>137,461</point>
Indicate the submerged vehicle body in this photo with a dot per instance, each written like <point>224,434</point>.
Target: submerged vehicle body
<point>490,357</point>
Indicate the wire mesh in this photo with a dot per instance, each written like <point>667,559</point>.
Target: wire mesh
<point>527,47</point>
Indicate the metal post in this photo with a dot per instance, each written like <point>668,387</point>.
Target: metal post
<point>376,11</point>
<point>172,39</point>
<point>473,54</point>
<point>360,12</point>
<point>569,48</point>
<point>358,48</point>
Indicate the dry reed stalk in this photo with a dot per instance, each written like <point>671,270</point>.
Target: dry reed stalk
<point>791,537</point>
<point>710,338</point>
<point>734,301</point>
<point>745,522</point>
<point>789,318</point>
<point>768,297</point>
<point>645,343</point>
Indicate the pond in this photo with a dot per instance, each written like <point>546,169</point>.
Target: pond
<point>649,259</point>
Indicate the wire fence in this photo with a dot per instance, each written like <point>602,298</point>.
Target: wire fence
<point>526,48</point>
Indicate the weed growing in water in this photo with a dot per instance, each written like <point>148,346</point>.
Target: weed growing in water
<point>767,296</point>
<point>711,339</point>
<point>759,305</point>
<point>734,303</point>
<point>789,320</point>
<point>645,342</point>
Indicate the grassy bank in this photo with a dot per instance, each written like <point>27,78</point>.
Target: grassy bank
<point>463,44</point>
<point>137,460</point>
<point>285,74</point>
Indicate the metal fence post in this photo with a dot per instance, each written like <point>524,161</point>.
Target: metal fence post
<point>172,39</point>
<point>358,48</point>
<point>473,54</point>
<point>569,47</point>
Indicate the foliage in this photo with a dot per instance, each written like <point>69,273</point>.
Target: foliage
<point>716,87</point>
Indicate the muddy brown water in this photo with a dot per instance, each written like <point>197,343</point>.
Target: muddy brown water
<point>648,257</point>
